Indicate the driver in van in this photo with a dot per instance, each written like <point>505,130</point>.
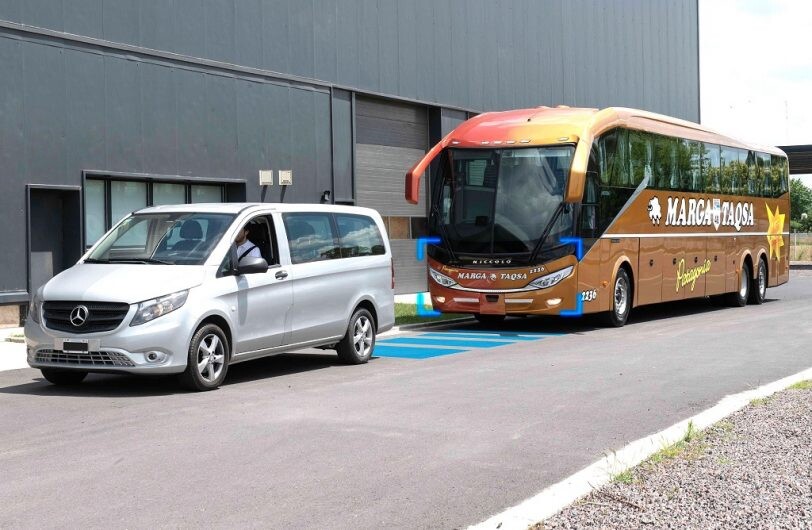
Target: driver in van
<point>244,245</point>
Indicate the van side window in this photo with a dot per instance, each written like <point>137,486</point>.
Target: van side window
<point>359,236</point>
<point>310,237</point>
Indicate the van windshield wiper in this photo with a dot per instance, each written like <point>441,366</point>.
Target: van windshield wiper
<point>139,260</point>
<point>94,260</point>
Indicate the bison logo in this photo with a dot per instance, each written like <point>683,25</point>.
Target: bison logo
<point>654,211</point>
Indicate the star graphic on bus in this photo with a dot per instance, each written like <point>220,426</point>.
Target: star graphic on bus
<point>775,235</point>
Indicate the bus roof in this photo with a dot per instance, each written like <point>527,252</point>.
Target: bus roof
<point>547,125</point>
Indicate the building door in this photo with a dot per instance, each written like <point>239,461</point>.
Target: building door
<point>54,232</point>
<point>390,138</point>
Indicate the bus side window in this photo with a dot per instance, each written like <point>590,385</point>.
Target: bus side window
<point>728,160</point>
<point>664,172</point>
<point>588,222</point>
<point>778,173</point>
<point>640,148</point>
<point>742,178</point>
<point>764,175</point>
<point>752,175</point>
<point>710,168</point>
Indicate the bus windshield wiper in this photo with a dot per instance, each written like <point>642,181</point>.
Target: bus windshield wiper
<point>443,234</point>
<point>546,232</point>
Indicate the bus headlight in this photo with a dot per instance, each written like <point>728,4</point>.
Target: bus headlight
<point>551,279</point>
<point>442,279</point>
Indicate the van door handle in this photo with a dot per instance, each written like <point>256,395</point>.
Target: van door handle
<point>281,275</point>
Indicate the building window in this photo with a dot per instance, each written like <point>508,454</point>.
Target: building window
<point>108,200</point>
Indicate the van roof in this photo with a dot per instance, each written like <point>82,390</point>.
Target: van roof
<point>239,207</point>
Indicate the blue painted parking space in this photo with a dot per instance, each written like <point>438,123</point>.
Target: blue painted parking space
<point>436,344</point>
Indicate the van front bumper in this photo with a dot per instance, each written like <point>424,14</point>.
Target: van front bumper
<point>156,347</point>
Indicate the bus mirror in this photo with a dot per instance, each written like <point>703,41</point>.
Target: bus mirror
<point>575,184</point>
<point>412,186</point>
<point>413,176</point>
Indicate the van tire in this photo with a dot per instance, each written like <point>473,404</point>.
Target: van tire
<point>209,345</point>
<point>621,300</point>
<point>55,376</point>
<point>357,345</point>
<point>740,296</point>
<point>758,285</point>
<point>489,320</point>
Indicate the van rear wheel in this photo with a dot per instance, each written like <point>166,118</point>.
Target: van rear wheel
<point>357,345</point>
<point>56,376</point>
<point>207,361</point>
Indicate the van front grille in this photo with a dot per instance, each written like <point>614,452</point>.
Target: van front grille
<point>100,316</point>
<point>90,359</point>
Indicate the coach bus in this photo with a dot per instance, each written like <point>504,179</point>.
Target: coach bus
<point>569,211</point>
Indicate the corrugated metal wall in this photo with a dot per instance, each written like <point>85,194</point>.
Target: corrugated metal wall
<point>70,103</point>
<point>477,54</point>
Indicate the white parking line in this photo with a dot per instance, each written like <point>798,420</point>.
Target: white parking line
<point>553,499</point>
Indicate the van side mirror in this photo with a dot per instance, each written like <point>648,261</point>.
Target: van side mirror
<point>252,265</point>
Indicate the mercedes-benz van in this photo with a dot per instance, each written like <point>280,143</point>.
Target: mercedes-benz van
<point>165,291</point>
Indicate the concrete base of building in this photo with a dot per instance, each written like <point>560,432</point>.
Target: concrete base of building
<point>10,316</point>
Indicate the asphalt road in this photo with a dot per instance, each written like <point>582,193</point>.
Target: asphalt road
<point>302,442</point>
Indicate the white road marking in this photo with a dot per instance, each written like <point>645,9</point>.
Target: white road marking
<point>553,499</point>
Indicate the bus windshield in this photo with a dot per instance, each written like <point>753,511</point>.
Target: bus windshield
<point>501,201</point>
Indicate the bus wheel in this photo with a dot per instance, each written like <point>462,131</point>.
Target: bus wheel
<point>621,299</point>
<point>739,298</point>
<point>489,320</point>
<point>758,286</point>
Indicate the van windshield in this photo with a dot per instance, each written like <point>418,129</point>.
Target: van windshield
<point>180,238</point>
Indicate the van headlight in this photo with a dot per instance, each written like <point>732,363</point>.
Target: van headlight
<point>157,307</point>
<point>35,308</point>
<point>551,279</point>
<point>442,279</point>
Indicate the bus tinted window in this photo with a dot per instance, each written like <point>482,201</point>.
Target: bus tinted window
<point>665,175</point>
<point>710,168</point>
<point>763,164</point>
<point>728,162</point>
<point>612,159</point>
<point>640,154</point>
<point>688,163</point>
<point>752,176</point>
<point>741,180</point>
<point>779,175</point>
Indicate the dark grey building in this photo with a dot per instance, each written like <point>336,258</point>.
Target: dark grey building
<point>110,105</point>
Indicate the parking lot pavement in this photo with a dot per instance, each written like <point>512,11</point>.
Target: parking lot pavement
<point>446,441</point>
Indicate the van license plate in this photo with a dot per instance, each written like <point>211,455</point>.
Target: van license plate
<point>77,345</point>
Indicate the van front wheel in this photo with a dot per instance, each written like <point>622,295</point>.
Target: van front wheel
<point>207,361</point>
<point>357,345</point>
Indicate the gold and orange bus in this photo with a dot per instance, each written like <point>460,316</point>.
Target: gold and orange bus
<point>567,211</point>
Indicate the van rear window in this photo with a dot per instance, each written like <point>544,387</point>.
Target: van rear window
<point>359,236</point>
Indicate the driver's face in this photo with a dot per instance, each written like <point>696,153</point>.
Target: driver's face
<point>241,235</point>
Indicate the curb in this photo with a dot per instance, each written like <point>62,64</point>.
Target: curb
<point>555,498</point>
<point>800,265</point>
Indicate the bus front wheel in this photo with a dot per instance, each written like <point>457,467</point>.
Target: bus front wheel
<point>621,299</point>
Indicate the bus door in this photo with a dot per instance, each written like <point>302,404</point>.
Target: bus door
<point>715,278</point>
<point>650,270</point>
<point>674,253</point>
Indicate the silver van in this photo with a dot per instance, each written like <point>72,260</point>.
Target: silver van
<point>191,289</point>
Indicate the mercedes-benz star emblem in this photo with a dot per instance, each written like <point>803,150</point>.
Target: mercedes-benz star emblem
<point>79,315</point>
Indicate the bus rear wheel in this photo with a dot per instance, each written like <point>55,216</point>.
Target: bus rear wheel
<point>621,300</point>
<point>739,298</point>
<point>758,285</point>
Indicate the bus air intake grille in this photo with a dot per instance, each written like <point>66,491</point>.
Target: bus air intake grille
<point>100,316</point>
<point>92,359</point>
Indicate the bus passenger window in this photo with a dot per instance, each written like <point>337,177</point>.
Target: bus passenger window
<point>763,162</point>
<point>710,168</point>
<point>753,188</point>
